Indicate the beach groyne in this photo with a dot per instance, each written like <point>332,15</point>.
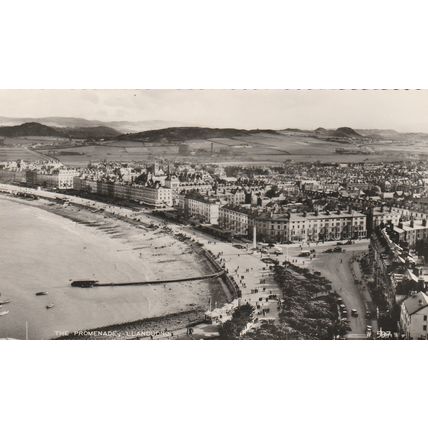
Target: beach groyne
<point>84,284</point>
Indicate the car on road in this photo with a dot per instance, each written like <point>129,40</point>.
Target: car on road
<point>354,312</point>
<point>239,246</point>
<point>269,261</point>
<point>334,250</point>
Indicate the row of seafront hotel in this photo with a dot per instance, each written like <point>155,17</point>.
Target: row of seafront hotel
<point>155,196</point>
<point>292,227</point>
<point>241,219</point>
<point>62,180</point>
<point>310,227</point>
<point>68,179</point>
<point>227,208</point>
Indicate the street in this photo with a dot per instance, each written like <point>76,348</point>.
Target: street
<point>336,267</point>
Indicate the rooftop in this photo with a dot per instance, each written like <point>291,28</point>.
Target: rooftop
<point>324,214</point>
<point>416,302</point>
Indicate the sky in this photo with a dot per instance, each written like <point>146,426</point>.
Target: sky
<point>405,111</point>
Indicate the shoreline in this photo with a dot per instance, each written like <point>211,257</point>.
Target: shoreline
<point>162,326</point>
<point>164,264</point>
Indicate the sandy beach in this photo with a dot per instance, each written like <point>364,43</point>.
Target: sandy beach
<point>46,245</point>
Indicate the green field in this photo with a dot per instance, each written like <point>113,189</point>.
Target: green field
<point>117,151</point>
<point>15,153</point>
<point>263,147</point>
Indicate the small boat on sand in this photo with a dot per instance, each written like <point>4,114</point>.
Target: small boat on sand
<point>3,313</point>
<point>50,306</point>
<point>5,302</point>
<point>41,293</point>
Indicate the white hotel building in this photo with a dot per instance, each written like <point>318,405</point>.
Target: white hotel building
<point>294,227</point>
<point>201,208</point>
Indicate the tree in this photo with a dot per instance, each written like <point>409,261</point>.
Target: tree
<point>229,330</point>
<point>407,286</point>
<point>241,316</point>
<point>272,192</point>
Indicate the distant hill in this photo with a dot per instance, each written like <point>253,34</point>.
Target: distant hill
<point>343,133</point>
<point>293,130</point>
<point>34,129</point>
<point>190,133</point>
<point>90,132</point>
<point>322,131</point>
<point>122,126</point>
<point>346,132</point>
<point>30,129</point>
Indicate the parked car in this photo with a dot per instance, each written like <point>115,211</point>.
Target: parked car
<point>354,312</point>
<point>239,246</point>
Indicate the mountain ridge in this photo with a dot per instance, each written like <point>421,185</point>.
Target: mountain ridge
<point>174,134</point>
<point>35,129</point>
<point>122,126</point>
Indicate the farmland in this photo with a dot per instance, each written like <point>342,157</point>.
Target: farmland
<point>14,153</point>
<point>260,147</point>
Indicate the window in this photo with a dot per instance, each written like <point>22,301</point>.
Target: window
<point>425,328</point>
<point>425,317</point>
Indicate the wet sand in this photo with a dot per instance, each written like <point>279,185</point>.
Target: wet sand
<point>45,245</point>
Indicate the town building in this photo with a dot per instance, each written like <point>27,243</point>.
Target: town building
<point>65,178</point>
<point>194,186</point>
<point>327,226</point>
<point>414,316</point>
<point>395,215</point>
<point>234,196</point>
<point>410,231</point>
<point>384,256</point>
<point>8,176</point>
<point>235,219</point>
<point>310,227</point>
<point>198,207</point>
<point>271,227</point>
<point>155,196</point>
<point>61,179</point>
